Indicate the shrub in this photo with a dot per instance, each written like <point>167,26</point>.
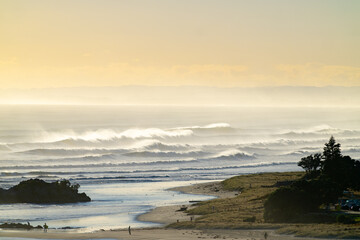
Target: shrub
<point>289,203</point>
<point>345,219</point>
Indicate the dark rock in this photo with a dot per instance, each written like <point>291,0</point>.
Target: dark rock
<point>39,191</point>
<point>18,226</point>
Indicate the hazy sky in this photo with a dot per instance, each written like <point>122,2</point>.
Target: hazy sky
<point>220,43</point>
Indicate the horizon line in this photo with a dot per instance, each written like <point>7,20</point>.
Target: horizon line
<point>180,86</point>
<point>175,105</point>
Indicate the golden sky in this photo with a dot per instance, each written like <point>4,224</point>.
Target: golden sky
<point>223,43</point>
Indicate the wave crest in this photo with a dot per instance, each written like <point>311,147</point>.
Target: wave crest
<point>233,154</point>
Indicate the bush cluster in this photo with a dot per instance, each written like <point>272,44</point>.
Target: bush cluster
<point>345,219</point>
<point>327,176</point>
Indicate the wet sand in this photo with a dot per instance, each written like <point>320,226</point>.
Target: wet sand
<point>171,214</point>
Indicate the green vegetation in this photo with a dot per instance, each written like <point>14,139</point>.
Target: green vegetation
<point>244,211</point>
<point>345,218</point>
<point>236,213</point>
<point>290,203</point>
<point>39,191</point>
<point>327,176</point>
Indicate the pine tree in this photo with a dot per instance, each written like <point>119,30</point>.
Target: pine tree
<point>331,150</point>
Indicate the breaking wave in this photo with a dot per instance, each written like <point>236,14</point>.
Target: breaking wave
<point>158,145</point>
<point>233,154</point>
<point>320,130</point>
<point>201,148</point>
<point>69,152</point>
<point>82,173</point>
<point>211,129</point>
<point>209,126</point>
<point>111,135</point>
<point>4,147</point>
<point>299,153</point>
<point>165,154</point>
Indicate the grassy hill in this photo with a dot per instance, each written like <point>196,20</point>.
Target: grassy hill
<point>246,210</point>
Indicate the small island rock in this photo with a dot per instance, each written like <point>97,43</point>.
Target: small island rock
<point>39,191</point>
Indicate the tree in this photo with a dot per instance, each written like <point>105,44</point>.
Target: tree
<point>320,186</point>
<point>338,168</point>
<point>311,163</point>
<point>331,150</point>
<point>289,203</point>
<point>355,176</point>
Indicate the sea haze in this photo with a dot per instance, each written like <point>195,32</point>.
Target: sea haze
<point>125,157</point>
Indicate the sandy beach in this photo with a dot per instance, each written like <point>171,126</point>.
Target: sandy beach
<point>171,214</point>
<point>164,215</point>
<point>152,234</point>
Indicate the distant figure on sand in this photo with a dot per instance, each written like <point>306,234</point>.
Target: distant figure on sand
<point>129,230</point>
<point>45,227</point>
<point>265,235</point>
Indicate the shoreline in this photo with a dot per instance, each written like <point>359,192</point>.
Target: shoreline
<point>164,215</point>
<point>170,214</point>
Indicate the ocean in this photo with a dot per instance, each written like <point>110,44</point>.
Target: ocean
<point>125,157</point>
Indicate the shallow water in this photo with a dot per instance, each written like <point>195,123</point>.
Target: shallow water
<point>125,157</point>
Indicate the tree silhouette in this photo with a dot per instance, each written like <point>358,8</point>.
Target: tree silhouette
<point>327,176</point>
<point>331,150</point>
<point>311,163</point>
<point>337,167</point>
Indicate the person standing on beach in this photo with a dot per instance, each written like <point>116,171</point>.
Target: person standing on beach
<point>45,227</point>
<point>129,230</point>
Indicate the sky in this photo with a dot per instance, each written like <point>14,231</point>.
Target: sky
<point>223,43</point>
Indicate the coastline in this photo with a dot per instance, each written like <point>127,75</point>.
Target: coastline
<point>164,215</point>
<point>169,214</point>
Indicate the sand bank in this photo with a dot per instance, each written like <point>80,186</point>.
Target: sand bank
<point>171,214</point>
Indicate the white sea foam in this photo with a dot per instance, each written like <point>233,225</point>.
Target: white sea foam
<point>232,154</point>
<point>109,134</point>
<point>208,126</point>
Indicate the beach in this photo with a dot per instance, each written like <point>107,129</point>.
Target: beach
<point>171,214</point>
<point>155,234</point>
<point>164,215</point>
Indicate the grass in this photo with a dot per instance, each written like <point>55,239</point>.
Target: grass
<point>246,210</point>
